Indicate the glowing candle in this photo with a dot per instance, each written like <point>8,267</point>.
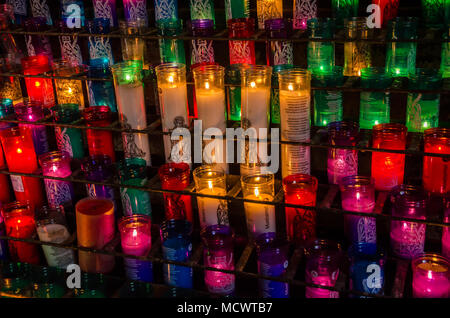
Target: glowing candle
<point>171,50</point>
<point>68,91</point>
<point>431,277</point>
<point>95,229</point>
<point>133,46</point>
<point>211,180</point>
<point>100,142</point>
<point>268,9</point>
<point>357,54</point>
<point>218,253</point>
<point>304,10</point>
<point>278,52</point>
<point>260,217</point>
<point>136,239</point>
<point>295,113</point>
<point>322,268</point>
<point>241,52</point>
<point>19,223</point>
<point>388,9</point>
<point>39,89</point>
<point>320,55</point>
<point>101,92</point>
<point>106,9</point>
<point>300,223</point>
<point>233,77</point>
<point>173,103</point>
<point>388,168</point>
<point>436,171</point>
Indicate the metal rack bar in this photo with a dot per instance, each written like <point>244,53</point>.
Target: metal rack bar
<point>400,277</point>
<point>242,262</point>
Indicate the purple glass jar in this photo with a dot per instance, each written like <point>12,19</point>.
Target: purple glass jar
<point>408,238</point>
<point>342,162</point>
<point>272,261</point>
<point>322,268</point>
<point>98,168</point>
<point>202,51</point>
<point>278,52</point>
<point>38,44</point>
<point>218,253</point>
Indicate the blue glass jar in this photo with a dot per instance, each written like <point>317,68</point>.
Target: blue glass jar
<point>101,92</point>
<point>100,46</point>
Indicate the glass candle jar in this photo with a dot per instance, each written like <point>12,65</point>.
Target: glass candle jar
<point>133,171</point>
<point>278,52</point>
<point>177,246</point>
<point>272,261</point>
<point>39,89</point>
<point>136,239</point>
<point>275,93</point>
<point>211,180</point>
<point>21,157</point>
<point>241,52</point>
<point>367,269</point>
<point>171,50</point>
<point>260,217</point>
<point>446,229</point>
<point>69,140</point>
<point>422,110</point>
<point>106,9</point>
<point>433,13</point>
<point>40,8</point>
<point>57,164</point>
<point>431,277</point>
<point>304,10</point>
<point>202,50</point>
<point>320,55</point>
<point>323,258</point>
<point>72,13</point>
<point>233,79</point>
<point>136,10</point>
<point>328,105</point>
<point>10,86</point>
<point>166,10</point>
<point>19,223</point>
<point>172,91</point>
<point>268,9</point>
<point>129,89</point>
<point>388,168</point>
<point>374,106</point>
<point>445,55</point>
<point>38,44</point>
<point>357,54</point>
<point>68,91</point>
<point>344,9</point>
<point>358,195</point>
<point>295,98</point>
<point>6,108</point>
<point>33,112</point>
<point>401,56</point>
<point>98,168</point>
<point>342,162</point>
<point>133,46</point>
<point>235,9</point>
<point>202,9</point>
<point>408,238</point>
<point>95,229</point>
<point>101,92</point>
<point>99,46</point>
<point>175,176</point>
<point>52,227</point>
<point>436,171</point>
<point>70,44</point>
<point>300,189</point>
<point>218,253</point>
<point>100,142</point>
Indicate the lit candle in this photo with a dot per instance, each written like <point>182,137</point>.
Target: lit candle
<point>101,92</point>
<point>260,217</point>
<point>68,91</point>
<point>136,239</point>
<point>401,56</point>
<point>241,52</point>
<point>173,103</point>
<point>268,9</point>
<point>39,89</point>
<point>100,142</point>
<point>211,180</point>
<point>357,54</point>
<point>136,10</point>
<point>300,223</point>
<point>218,253</point>
<point>295,113</point>
<point>304,10</point>
<point>431,277</point>
<point>320,55</point>
<point>172,50</point>
<point>436,171</point>
<point>106,9</point>
<point>133,46</point>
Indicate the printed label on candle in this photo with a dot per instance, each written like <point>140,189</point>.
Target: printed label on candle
<point>58,192</point>
<point>273,289</point>
<point>218,282</point>
<point>260,217</point>
<point>295,159</point>
<point>139,270</point>
<point>295,115</point>
<point>176,275</point>
<point>56,233</point>
<point>212,211</point>
<point>17,183</point>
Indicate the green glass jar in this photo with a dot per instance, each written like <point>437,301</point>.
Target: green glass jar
<point>374,107</point>
<point>445,57</point>
<point>133,171</point>
<point>320,55</point>
<point>422,109</point>
<point>69,140</point>
<point>401,56</point>
<point>233,90</point>
<point>236,9</point>
<point>328,104</point>
<point>275,93</point>
<point>202,9</point>
<point>433,12</point>
<point>171,50</point>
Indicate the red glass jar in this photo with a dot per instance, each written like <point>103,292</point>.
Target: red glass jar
<point>388,168</point>
<point>39,89</point>
<point>241,52</point>
<point>176,176</point>
<point>436,171</point>
<point>300,223</point>
<point>100,142</point>
<point>19,223</point>
<point>4,183</point>
<point>21,157</point>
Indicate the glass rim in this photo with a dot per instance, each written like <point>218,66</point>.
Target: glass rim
<point>357,181</point>
<point>98,199</point>
<point>299,178</point>
<point>97,113</point>
<point>252,69</point>
<point>294,72</point>
<point>170,67</point>
<point>44,217</point>
<point>430,258</point>
<point>202,70</point>
<point>389,128</point>
<point>271,241</point>
<point>268,179</point>
<point>437,133</point>
<point>241,23</point>
<point>201,170</point>
<point>168,170</point>
<point>139,219</point>
<point>126,66</point>
<point>54,156</point>
<point>11,208</point>
<point>323,245</point>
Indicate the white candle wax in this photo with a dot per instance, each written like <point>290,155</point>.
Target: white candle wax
<point>212,211</point>
<point>55,233</point>
<point>260,217</point>
<point>255,107</point>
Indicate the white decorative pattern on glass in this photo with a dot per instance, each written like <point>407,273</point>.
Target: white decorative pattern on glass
<point>303,11</point>
<point>70,50</point>
<point>39,8</point>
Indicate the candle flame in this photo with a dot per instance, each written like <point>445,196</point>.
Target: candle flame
<point>358,195</point>
<point>210,184</point>
<point>430,274</point>
<point>170,79</point>
<point>252,85</point>
<point>37,84</point>
<point>134,233</point>
<point>69,90</point>
<point>207,85</point>
<point>290,87</point>
<point>256,192</point>
<point>54,168</point>
<point>19,150</point>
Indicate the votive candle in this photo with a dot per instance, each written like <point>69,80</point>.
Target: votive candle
<point>101,92</point>
<point>98,168</point>
<point>436,170</point>
<point>357,54</point>
<point>202,9</point>
<point>99,46</point>
<point>38,89</point>
<point>278,52</point>
<point>38,44</point>
<point>166,10</point>
<point>68,91</point>
<point>202,50</point>
<point>320,55</point>
<point>40,8</point>
<point>133,46</point>
<point>100,142</point>
<point>431,277</point>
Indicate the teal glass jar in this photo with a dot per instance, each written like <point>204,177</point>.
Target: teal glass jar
<point>133,171</point>
<point>275,93</point>
<point>171,50</point>
<point>320,55</point>
<point>422,109</point>
<point>69,140</point>
<point>401,56</point>
<point>445,57</point>
<point>374,107</point>
<point>328,104</point>
<point>6,107</point>
<point>233,90</point>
